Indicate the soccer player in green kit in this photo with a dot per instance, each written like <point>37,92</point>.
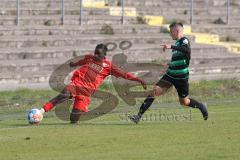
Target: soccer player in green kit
<point>177,75</point>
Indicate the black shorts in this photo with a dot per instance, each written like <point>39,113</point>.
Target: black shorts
<point>181,85</point>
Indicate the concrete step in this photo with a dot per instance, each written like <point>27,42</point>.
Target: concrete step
<point>198,11</point>
<point>54,41</point>
<point>38,84</point>
<point>180,3</point>
<point>215,61</point>
<point>40,53</point>
<point>137,54</point>
<point>201,16</point>
<point>213,76</point>
<point>148,52</point>
<point>224,31</point>
<point>68,10</point>
<point>52,20</point>
<point>198,19</point>
<point>39,3</point>
<point>166,10</point>
<point>162,3</point>
<point>74,30</point>
<point>232,68</point>
<point>163,10</point>
<point>25,78</point>
<point>74,10</point>
<point>149,3</point>
<point>137,51</point>
<point>217,28</point>
<point>230,38</point>
<point>30,66</point>
<point>30,71</point>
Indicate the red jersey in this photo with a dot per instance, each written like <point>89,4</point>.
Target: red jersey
<point>92,73</point>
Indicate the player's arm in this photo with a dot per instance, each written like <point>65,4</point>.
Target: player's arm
<point>117,72</point>
<point>183,48</point>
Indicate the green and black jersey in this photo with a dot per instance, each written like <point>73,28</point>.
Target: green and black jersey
<point>181,54</point>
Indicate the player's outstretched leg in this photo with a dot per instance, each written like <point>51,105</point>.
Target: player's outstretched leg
<point>146,104</point>
<point>201,106</point>
<point>63,96</point>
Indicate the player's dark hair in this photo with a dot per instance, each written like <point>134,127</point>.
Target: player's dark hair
<point>174,24</point>
<point>101,49</point>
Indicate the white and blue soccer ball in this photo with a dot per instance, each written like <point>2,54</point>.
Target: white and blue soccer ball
<point>34,116</point>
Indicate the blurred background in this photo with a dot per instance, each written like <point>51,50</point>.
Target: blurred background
<point>36,36</point>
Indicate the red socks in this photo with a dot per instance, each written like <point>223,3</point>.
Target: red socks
<point>48,106</point>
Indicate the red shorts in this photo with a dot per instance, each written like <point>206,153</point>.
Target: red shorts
<point>81,97</point>
<point>81,103</point>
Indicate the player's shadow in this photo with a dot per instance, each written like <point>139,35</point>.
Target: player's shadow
<point>66,123</point>
<point>87,124</point>
<point>33,125</point>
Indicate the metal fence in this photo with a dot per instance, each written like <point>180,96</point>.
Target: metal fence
<point>122,3</point>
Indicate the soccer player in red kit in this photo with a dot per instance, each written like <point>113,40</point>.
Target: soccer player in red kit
<point>86,80</point>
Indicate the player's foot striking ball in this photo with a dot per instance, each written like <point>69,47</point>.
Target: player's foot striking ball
<point>177,75</point>
<point>86,80</point>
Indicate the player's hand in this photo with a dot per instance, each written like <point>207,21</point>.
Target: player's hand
<point>165,46</point>
<point>144,85</point>
<point>165,65</point>
<point>71,64</point>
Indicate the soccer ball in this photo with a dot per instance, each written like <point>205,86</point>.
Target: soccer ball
<point>34,116</point>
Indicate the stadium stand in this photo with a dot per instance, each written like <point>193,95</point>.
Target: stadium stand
<point>31,51</point>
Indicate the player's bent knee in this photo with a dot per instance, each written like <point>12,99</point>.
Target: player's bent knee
<point>184,102</point>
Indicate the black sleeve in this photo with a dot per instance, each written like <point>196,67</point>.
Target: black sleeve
<point>184,49</point>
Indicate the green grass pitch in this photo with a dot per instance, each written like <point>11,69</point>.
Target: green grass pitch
<point>174,133</point>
